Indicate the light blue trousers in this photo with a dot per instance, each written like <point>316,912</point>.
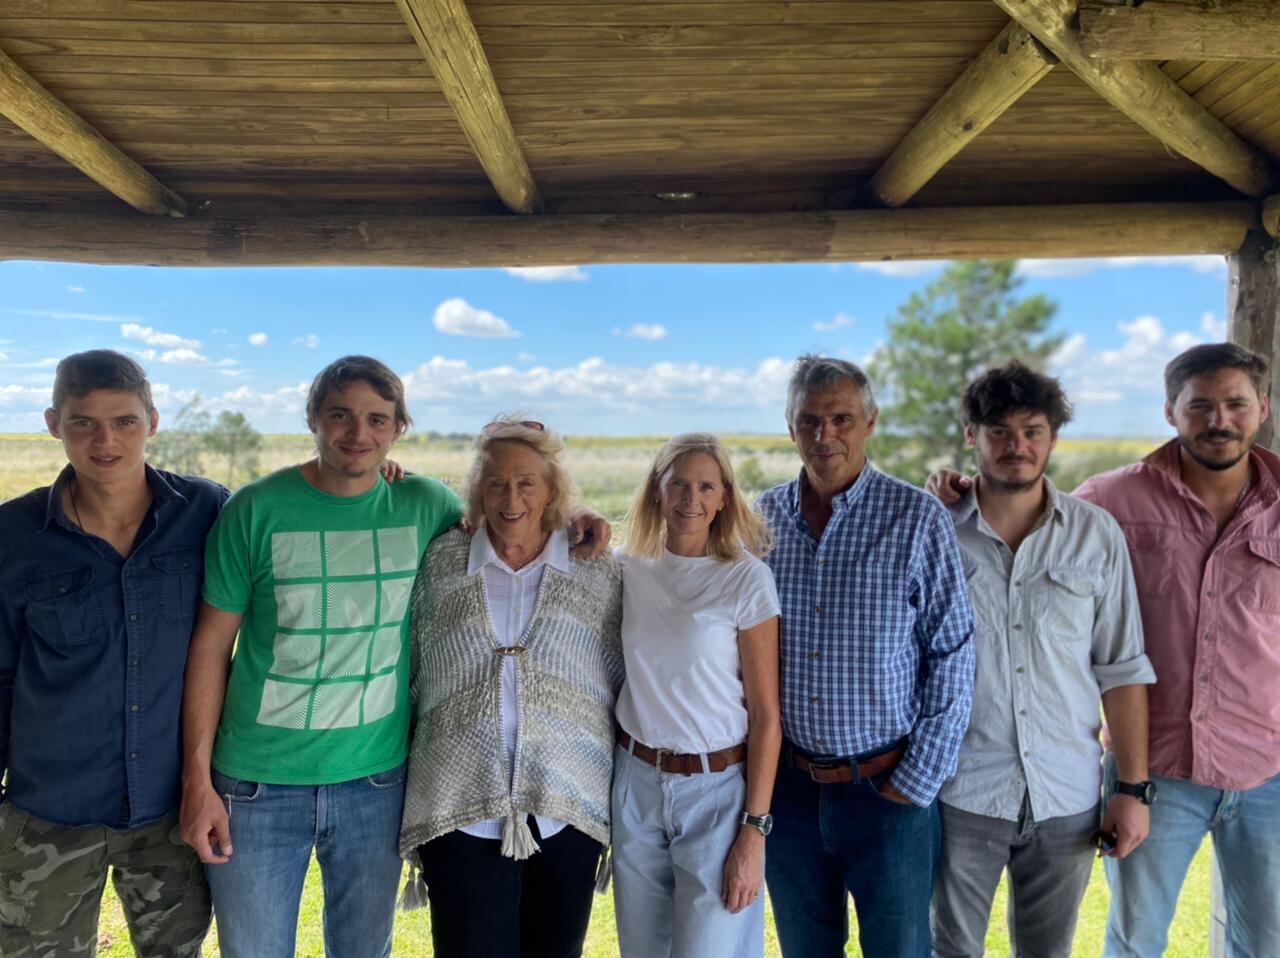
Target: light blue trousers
<point>1245,826</point>
<point>671,836</point>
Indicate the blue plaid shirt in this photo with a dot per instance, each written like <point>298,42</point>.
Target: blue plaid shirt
<point>877,629</point>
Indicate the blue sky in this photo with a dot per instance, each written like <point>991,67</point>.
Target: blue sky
<point>592,350</point>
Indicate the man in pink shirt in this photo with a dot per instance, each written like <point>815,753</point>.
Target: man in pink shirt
<point>1202,518</point>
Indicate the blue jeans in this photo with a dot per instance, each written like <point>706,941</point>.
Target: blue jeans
<point>354,829</point>
<point>830,841</point>
<point>1245,826</point>
<point>671,836</point>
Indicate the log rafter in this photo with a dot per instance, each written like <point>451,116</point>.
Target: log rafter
<point>30,106</point>
<point>1181,30</point>
<point>1009,66</point>
<point>1147,96</point>
<point>833,236</point>
<point>448,40</point>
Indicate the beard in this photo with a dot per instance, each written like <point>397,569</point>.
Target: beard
<point>1217,465</point>
<point>996,484</point>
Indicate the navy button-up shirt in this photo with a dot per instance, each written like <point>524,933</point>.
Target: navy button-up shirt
<point>877,629</point>
<point>92,651</point>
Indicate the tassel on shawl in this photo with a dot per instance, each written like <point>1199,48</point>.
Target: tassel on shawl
<point>414,895</point>
<point>517,839</point>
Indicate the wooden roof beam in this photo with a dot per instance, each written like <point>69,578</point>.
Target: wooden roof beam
<point>1011,65</point>
<point>1148,97</point>
<point>1133,229</point>
<point>448,39</point>
<point>1181,30</point>
<point>37,111</point>
<point>1271,215</point>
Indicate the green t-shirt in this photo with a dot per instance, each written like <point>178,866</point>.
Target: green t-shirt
<point>319,687</point>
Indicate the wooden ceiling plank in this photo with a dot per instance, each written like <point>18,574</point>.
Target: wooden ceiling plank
<point>1181,29</point>
<point>452,48</point>
<point>1010,66</point>
<point>848,235</point>
<point>43,116</point>
<point>1148,97</point>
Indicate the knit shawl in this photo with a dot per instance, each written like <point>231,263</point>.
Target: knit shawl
<point>567,679</point>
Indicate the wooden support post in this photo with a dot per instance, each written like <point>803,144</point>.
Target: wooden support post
<point>49,120</point>
<point>1010,66</point>
<point>1142,92</point>
<point>1120,229</point>
<point>1271,215</point>
<point>1181,30</point>
<point>1253,313</point>
<point>448,39</point>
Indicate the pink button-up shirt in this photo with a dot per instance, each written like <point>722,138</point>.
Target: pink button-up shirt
<point>1211,614</point>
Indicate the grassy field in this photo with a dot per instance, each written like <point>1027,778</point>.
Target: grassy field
<point>608,469</point>
<point>1188,937</point>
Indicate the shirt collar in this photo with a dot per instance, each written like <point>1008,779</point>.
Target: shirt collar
<point>1266,468</point>
<point>841,501</point>
<point>161,491</point>
<point>967,508</point>
<point>554,554</point>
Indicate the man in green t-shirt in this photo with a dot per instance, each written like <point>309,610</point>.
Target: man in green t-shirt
<point>298,743</point>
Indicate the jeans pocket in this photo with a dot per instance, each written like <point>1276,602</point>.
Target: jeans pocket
<point>235,789</point>
<point>391,778</point>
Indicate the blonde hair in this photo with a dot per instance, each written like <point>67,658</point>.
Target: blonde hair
<point>737,528</point>
<point>547,444</point>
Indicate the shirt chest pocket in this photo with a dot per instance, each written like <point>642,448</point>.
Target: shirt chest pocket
<point>178,575</point>
<point>63,609</point>
<point>1259,575</point>
<point>1064,602</point>
<point>1151,551</point>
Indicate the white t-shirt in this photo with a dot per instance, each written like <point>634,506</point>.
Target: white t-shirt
<point>680,622</point>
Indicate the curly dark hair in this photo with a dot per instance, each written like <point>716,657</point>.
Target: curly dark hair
<point>1012,388</point>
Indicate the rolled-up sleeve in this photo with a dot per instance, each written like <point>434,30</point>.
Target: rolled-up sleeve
<point>944,632</point>
<point>1118,646</point>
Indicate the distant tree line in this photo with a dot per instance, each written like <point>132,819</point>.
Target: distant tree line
<point>195,434</point>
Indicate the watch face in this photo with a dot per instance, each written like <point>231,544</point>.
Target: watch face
<point>766,824</point>
<point>1148,792</point>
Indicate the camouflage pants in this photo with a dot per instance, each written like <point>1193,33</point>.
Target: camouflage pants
<point>52,878</point>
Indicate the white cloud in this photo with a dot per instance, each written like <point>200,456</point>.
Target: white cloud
<point>154,337</point>
<point>35,398</point>
<point>650,331</point>
<point>219,331</point>
<point>841,321</point>
<point>902,269</point>
<point>4,357</point>
<point>1214,328</point>
<point>258,339</point>
<point>183,356</point>
<point>75,289</point>
<point>526,358</point>
<point>453,384</point>
<point>309,341</point>
<point>457,317</point>
<point>1072,268</point>
<point>82,317</point>
<point>548,274</point>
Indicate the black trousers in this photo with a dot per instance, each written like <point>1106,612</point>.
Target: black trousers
<point>484,905</point>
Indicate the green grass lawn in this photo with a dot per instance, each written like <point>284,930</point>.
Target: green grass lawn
<point>1188,938</point>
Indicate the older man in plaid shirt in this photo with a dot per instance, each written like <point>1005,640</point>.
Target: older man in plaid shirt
<point>877,680</point>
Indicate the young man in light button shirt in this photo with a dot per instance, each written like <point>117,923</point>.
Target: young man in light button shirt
<point>1057,634</point>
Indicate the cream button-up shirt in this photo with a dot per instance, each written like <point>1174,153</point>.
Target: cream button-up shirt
<point>1056,625</point>
<point>512,596</point>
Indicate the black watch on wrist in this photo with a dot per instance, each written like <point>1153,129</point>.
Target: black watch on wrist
<point>761,823</point>
<point>1145,792</point>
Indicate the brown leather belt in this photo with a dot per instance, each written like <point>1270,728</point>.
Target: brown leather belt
<point>841,772</point>
<point>683,763</point>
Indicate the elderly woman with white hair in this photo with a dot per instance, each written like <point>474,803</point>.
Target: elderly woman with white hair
<point>517,662</point>
<point>698,718</point>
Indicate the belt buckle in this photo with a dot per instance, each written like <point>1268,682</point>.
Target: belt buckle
<point>819,767</point>
<point>657,757</point>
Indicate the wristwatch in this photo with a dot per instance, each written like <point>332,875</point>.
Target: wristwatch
<point>1145,792</point>
<point>761,823</point>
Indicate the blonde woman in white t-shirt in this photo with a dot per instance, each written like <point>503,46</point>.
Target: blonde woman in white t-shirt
<point>698,716</point>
